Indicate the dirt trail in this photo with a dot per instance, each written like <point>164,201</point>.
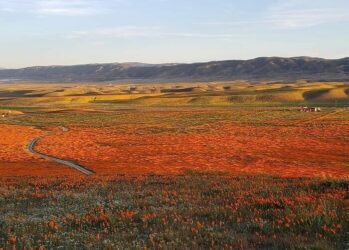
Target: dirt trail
<point>71,164</point>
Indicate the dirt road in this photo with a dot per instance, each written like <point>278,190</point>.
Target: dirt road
<point>71,164</point>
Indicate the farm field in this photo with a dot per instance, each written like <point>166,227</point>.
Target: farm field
<point>221,166</point>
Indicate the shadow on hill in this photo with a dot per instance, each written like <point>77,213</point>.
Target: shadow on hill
<point>313,94</point>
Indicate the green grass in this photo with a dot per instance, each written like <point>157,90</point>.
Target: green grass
<point>179,119</point>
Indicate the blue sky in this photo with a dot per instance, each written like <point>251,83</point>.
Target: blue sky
<point>57,32</point>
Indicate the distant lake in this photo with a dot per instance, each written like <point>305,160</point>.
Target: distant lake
<point>9,80</point>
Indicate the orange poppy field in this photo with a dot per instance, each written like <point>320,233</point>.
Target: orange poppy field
<point>314,147</point>
<point>292,151</point>
<point>228,178</point>
<point>15,159</point>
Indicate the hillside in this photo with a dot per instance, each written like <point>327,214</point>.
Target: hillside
<point>229,93</point>
<point>265,68</point>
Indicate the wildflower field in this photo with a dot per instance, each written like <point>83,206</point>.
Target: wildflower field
<point>190,210</point>
<point>175,177</point>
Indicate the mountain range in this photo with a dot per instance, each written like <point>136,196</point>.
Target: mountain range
<point>263,68</point>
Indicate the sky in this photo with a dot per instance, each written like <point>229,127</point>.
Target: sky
<point>66,32</point>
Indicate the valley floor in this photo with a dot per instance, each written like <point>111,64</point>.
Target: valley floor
<point>208,177</point>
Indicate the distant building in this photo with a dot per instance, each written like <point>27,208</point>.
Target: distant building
<point>3,115</point>
<point>310,109</point>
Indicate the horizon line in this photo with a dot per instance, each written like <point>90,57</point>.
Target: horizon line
<point>167,63</point>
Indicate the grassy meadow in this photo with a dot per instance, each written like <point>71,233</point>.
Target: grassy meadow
<point>238,93</point>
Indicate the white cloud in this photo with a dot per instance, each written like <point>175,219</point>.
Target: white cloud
<point>290,14</point>
<point>67,7</point>
<point>7,9</point>
<point>13,6</point>
<point>143,32</point>
<point>296,14</point>
<point>53,7</point>
<point>118,32</point>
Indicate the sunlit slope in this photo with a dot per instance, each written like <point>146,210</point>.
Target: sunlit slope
<point>215,93</point>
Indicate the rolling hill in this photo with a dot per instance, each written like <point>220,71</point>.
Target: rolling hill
<point>264,68</point>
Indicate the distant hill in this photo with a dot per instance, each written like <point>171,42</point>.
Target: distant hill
<point>264,68</point>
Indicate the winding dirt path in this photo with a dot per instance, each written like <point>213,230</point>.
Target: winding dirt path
<point>71,164</point>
